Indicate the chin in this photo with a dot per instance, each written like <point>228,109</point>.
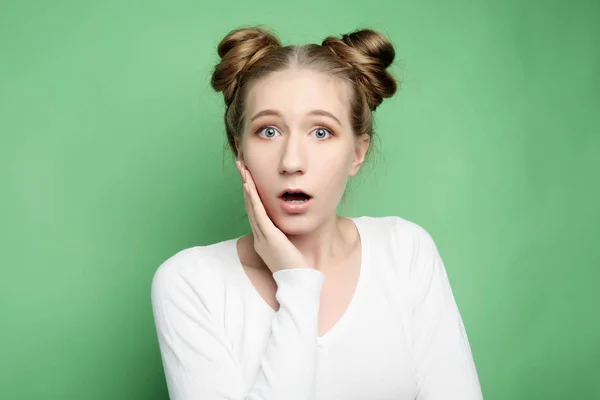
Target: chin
<point>294,224</point>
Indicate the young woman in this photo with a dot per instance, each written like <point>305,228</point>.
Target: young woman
<point>309,305</point>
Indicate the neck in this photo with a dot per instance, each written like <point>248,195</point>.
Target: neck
<point>326,245</point>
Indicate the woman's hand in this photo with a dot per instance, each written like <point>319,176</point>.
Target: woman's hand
<point>270,242</point>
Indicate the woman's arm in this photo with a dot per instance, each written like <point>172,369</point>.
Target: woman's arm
<point>445,366</point>
<point>197,358</point>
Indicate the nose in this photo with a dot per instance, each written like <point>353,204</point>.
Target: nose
<point>292,156</point>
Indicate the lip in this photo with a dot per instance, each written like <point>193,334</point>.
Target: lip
<point>295,208</point>
<point>291,190</point>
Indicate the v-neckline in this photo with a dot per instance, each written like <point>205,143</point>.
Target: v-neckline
<point>326,338</point>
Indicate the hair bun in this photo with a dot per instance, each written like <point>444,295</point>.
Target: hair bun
<point>369,53</point>
<point>238,50</point>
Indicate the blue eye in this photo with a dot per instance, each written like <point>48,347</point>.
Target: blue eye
<point>270,131</point>
<point>322,133</point>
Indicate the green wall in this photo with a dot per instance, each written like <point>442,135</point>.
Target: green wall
<point>111,160</point>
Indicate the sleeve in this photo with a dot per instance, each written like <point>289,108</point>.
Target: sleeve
<point>444,362</point>
<point>197,359</point>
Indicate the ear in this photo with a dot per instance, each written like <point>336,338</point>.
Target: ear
<point>238,149</point>
<point>360,151</point>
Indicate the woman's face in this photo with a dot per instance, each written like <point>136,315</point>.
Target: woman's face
<point>297,135</point>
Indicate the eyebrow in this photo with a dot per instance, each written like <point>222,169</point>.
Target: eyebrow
<point>312,112</point>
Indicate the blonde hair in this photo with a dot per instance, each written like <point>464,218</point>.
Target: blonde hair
<point>359,58</point>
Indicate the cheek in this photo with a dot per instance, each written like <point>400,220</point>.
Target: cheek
<point>263,173</point>
<point>335,171</point>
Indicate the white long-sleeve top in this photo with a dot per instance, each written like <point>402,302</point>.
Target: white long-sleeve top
<point>401,337</point>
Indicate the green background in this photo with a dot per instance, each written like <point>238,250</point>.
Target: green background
<point>112,160</point>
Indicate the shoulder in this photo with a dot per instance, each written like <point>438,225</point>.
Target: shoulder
<point>198,272</point>
<point>407,255</point>
<point>406,246</point>
<point>395,230</point>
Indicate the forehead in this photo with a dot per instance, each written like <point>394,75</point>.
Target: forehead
<point>294,92</point>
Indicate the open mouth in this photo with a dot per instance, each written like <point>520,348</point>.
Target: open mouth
<point>296,197</point>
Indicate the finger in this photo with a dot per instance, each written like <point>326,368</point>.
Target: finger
<point>262,219</point>
<point>248,204</point>
<point>251,213</point>
<point>238,165</point>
